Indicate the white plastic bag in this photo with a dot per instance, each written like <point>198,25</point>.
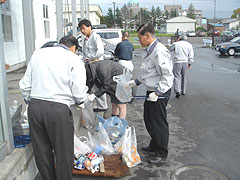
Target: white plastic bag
<point>128,147</point>
<point>88,116</point>
<point>101,138</point>
<point>123,92</point>
<point>80,147</point>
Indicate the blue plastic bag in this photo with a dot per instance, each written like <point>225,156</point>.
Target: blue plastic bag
<point>114,126</point>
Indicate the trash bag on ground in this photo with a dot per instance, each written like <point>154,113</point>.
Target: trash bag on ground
<point>101,138</point>
<point>80,147</point>
<point>127,145</point>
<point>123,92</point>
<point>114,126</point>
<point>88,116</point>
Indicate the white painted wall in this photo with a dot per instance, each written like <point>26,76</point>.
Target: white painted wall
<point>182,26</point>
<point>39,22</point>
<point>15,51</point>
<point>233,24</point>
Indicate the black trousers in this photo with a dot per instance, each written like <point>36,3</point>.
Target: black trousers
<point>52,132</point>
<point>155,118</point>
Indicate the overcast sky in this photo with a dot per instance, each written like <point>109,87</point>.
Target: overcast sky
<point>224,8</point>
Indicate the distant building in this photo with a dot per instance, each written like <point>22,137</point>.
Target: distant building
<point>232,23</point>
<point>134,5</point>
<point>204,23</point>
<point>95,12</point>
<point>182,23</point>
<point>220,27</point>
<point>170,7</point>
<point>182,12</point>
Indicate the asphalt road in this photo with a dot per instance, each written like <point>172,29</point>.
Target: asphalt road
<point>204,124</point>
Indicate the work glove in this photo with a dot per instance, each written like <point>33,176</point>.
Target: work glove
<point>91,97</point>
<point>153,97</point>
<point>131,84</point>
<point>81,105</point>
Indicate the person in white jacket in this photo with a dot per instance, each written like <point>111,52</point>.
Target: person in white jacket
<point>183,58</point>
<point>156,74</point>
<point>93,50</point>
<point>54,80</point>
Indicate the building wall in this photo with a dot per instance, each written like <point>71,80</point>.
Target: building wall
<point>40,38</point>
<point>220,28</point>
<point>234,25</point>
<point>15,51</point>
<point>183,26</point>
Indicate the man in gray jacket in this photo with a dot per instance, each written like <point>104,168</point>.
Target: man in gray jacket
<point>183,59</point>
<point>93,50</point>
<point>156,74</point>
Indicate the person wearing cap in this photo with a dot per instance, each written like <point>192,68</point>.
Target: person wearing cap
<point>93,50</point>
<point>156,74</point>
<point>54,80</point>
<point>183,58</point>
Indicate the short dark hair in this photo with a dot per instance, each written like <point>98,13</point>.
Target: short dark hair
<point>69,41</point>
<point>146,28</point>
<point>84,22</point>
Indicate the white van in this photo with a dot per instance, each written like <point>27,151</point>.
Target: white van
<point>112,35</point>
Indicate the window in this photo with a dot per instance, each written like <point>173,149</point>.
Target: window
<point>5,6</point>
<point>45,11</point>
<point>7,27</point>
<point>108,35</point>
<point>6,21</point>
<point>47,29</point>
<point>46,21</point>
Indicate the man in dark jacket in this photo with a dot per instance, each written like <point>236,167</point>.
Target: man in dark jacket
<point>100,74</point>
<point>124,52</point>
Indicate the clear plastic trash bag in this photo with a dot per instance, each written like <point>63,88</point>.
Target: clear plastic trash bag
<point>123,92</point>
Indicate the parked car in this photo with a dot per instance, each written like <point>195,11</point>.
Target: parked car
<point>227,36</point>
<point>230,47</point>
<point>191,33</point>
<point>216,32</point>
<point>237,34</point>
<point>109,47</point>
<point>113,35</point>
<point>201,33</point>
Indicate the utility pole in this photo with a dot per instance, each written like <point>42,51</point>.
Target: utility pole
<point>82,9</point>
<point>59,12</point>
<point>214,19</point>
<point>114,19</point>
<point>74,18</point>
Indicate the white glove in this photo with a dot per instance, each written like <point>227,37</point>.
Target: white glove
<point>81,105</point>
<point>152,97</point>
<point>91,97</point>
<point>131,84</point>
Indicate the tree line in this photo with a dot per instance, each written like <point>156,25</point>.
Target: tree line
<point>126,19</point>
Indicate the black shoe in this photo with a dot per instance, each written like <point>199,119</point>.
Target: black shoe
<point>99,110</point>
<point>183,94</point>
<point>156,159</point>
<point>177,95</point>
<point>148,149</point>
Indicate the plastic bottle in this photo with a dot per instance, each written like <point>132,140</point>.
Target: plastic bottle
<point>13,108</point>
